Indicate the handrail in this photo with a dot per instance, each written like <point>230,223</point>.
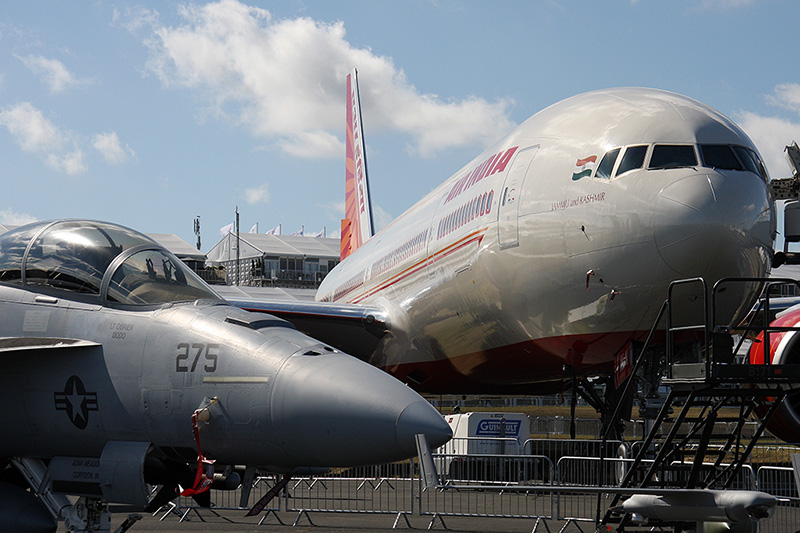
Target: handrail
<point>671,329</point>
<point>636,365</point>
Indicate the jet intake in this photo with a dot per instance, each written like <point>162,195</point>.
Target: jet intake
<point>117,476</point>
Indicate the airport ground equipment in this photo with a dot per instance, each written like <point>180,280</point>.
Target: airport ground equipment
<point>477,434</point>
<point>682,450</point>
<point>789,189</point>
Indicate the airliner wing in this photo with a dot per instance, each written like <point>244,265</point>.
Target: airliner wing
<point>353,329</point>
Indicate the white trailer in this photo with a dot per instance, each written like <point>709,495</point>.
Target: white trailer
<point>478,438</point>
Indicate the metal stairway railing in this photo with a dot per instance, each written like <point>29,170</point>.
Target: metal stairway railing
<point>683,455</point>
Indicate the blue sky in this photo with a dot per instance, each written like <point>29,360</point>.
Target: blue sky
<point>151,113</point>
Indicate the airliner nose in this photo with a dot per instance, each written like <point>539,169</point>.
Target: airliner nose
<point>714,225</point>
<point>322,420</point>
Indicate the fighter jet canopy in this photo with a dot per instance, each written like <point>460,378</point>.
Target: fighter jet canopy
<point>97,259</point>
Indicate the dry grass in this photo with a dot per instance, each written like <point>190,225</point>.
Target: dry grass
<point>531,410</point>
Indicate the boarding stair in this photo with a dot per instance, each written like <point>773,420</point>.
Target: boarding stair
<point>685,447</point>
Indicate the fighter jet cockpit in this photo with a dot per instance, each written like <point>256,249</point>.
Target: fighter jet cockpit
<point>91,260</point>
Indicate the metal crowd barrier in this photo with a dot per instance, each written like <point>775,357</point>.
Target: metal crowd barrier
<point>495,485</point>
<point>492,473</point>
<point>387,489</point>
<point>779,481</point>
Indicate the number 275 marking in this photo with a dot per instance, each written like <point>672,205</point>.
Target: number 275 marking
<point>193,352</point>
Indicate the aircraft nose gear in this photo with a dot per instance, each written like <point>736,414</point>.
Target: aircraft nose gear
<point>92,515</point>
<point>205,467</point>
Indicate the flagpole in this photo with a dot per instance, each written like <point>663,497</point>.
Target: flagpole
<point>238,270</point>
<point>197,230</point>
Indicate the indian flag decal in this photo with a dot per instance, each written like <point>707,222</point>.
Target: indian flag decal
<point>584,167</point>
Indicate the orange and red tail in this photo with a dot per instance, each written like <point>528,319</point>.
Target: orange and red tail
<point>357,225</point>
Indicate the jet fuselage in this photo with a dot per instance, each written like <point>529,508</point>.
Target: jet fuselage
<point>106,337</point>
<point>557,244</point>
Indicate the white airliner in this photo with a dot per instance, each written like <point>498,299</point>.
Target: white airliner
<point>554,246</point>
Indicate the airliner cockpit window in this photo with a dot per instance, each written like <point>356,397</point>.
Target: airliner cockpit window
<point>672,156</point>
<point>156,277</point>
<point>719,156</point>
<point>607,164</point>
<point>632,159</point>
<point>751,161</point>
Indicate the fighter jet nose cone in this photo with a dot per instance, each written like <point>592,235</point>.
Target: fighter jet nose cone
<point>323,422</point>
<point>421,417</point>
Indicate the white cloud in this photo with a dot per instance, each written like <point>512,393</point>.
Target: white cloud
<point>311,144</point>
<point>257,195</point>
<point>36,134</point>
<point>787,96</point>
<point>135,18</point>
<point>335,209</point>
<point>70,163</point>
<point>772,134</point>
<point>284,79</point>
<point>10,217</point>
<point>111,149</point>
<point>32,130</point>
<point>380,217</point>
<point>52,72</point>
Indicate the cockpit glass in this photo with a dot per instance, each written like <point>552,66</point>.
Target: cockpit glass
<point>12,251</point>
<point>747,159</point>
<point>74,255</point>
<point>672,156</point>
<point>632,159</point>
<point>607,164</point>
<point>155,277</point>
<point>720,156</point>
<point>751,161</point>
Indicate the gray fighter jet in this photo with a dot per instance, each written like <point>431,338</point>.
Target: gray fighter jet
<point>122,369</point>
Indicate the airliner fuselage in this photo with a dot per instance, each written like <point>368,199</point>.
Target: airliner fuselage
<point>557,244</point>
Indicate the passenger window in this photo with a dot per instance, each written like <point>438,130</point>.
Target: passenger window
<point>719,156</point>
<point>672,156</point>
<point>607,164</point>
<point>632,159</point>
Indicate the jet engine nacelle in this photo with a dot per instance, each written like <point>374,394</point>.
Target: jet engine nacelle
<point>784,347</point>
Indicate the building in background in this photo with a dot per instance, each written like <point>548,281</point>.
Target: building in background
<point>274,260</point>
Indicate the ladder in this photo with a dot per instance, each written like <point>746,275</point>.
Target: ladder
<point>682,450</point>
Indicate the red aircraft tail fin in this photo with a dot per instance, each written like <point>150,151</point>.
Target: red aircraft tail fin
<point>357,225</point>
